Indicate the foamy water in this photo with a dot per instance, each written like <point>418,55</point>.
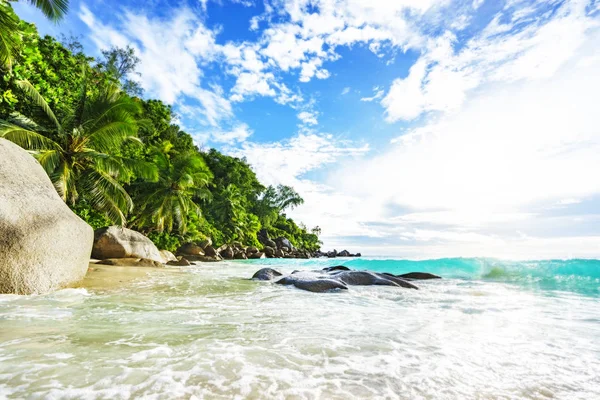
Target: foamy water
<point>208,332</point>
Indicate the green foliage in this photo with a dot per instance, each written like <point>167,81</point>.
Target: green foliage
<point>10,29</point>
<point>167,203</point>
<point>116,158</point>
<point>165,240</point>
<point>84,155</point>
<point>85,211</point>
<point>119,64</point>
<point>9,34</point>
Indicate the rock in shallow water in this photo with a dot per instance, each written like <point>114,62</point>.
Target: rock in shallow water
<point>338,278</point>
<point>266,274</point>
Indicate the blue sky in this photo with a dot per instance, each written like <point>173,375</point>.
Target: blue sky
<point>416,128</point>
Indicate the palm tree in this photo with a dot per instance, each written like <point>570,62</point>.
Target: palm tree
<point>55,10</point>
<point>183,180</point>
<point>83,157</point>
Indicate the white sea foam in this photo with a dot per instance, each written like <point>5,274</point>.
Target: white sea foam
<point>209,333</point>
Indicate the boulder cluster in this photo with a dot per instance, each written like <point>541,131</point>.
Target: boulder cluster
<point>281,247</point>
<point>339,278</point>
<point>335,253</point>
<point>120,246</point>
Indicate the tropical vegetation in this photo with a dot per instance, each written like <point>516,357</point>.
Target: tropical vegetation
<point>116,157</point>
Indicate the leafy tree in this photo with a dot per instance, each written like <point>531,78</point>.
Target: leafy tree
<point>9,24</point>
<point>119,64</point>
<point>167,203</point>
<point>83,156</point>
<point>274,201</point>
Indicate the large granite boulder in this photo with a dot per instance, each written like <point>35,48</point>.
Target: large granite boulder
<point>43,245</point>
<point>339,278</point>
<point>119,242</point>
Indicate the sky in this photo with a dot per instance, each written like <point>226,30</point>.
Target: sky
<point>412,128</point>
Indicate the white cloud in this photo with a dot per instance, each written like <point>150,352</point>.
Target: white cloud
<point>345,91</point>
<point>378,94</point>
<point>500,164</point>
<point>286,161</point>
<point>238,133</point>
<point>441,79</point>
<point>170,53</point>
<point>308,118</point>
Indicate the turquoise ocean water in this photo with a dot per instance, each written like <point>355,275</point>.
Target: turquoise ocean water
<point>577,275</point>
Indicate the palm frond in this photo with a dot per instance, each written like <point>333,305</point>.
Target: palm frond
<point>110,135</point>
<point>107,196</point>
<point>39,100</point>
<point>55,10</point>
<point>21,120</point>
<point>25,138</point>
<point>63,178</point>
<point>9,26</point>
<point>49,160</point>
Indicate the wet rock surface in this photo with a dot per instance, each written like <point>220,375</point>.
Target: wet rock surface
<point>339,278</point>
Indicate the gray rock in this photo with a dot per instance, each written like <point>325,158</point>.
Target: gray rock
<point>210,251</point>
<point>419,276</point>
<point>283,242</point>
<point>336,268</point>
<point>266,274</point>
<point>256,256</point>
<point>190,249</point>
<point>251,250</point>
<point>316,285</point>
<point>240,255</point>
<point>119,242</point>
<point>182,262</point>
<point>131,262</point>
<point>344,253</point>
<point>269,251</point>
<point>227,252</point>
<point>43,245</point>
<point>279,253</point>
<point>331,278</point>
<point>364,278</point>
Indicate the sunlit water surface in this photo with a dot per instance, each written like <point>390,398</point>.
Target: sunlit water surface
<point>490,330</point>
